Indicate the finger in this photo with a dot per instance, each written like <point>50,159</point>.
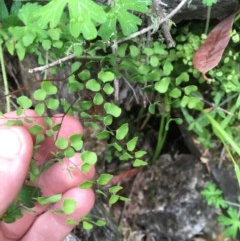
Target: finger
<point>69,126</point>
<point>59,178</point>
<point>15,155</point>
<point>50,225</point>
<point>54,226</point>
<point>64,175</point>
<point>28,119</point>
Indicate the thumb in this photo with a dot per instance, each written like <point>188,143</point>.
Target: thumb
<point>15,155</point>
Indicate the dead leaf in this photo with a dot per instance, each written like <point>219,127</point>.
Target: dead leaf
<point>210,53</point>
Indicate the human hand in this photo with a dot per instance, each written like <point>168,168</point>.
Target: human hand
<point>16,147</point>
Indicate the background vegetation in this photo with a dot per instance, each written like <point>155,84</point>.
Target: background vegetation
<point>109,64</point>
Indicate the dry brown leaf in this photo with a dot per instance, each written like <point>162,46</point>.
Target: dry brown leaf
<point>210,53</point>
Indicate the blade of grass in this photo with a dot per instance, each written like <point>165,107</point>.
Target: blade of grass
<point>226,139</point>
<point>5,82</point>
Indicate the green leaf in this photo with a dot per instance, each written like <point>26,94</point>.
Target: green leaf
<point>39,95</point>
<point>52,103</point>
<point>108,89</point>
<point>3,10</point>
<point>116,146</point>
<point>121,12</point>
<point>175,93</point>
<point>28,38</point>
<point>103,135</point>
<point>154,61</point>
<point>35,129</point>
<point>10,46</point>
<point>100,223</point>
<point>83,16</point>
<point>113,199</point>
<point>93,85</point>
<point>122,49</point>
<point>104,179</point>
<point>139,154</point>
<point>152,108</point>
<point>54,33</point>
<point>183,77</point>
<point>213,196</point>
<point>115,189</point>
<point>26,13</point>
<point>190,88</point>
<point>69,152</point>
<point>84,75</point>
<point>122,131</point>
<point>87,225</point>
<point>61,143</point>
<point>129,22</point>
<point>24,102</point>
<point>50,13</point>
<point>132,144</point>
<point>71,222</point>
<point>231,222</point>
<point>48,121</point>
<point>78,50</point>
<point>46,43</point>
<point>89,157</point>
<point>86,185</point>
<point>162,85</point>
<point>98,99</point>
<point>112,109</point>
<point>209,3</point>
<point>134,51</point>
<point>13,213</point>
<point>27,195</point>
<point>49,200</point>
<point>125,157</point>
<point>76,141</point>
<point>108,120</point>
<point>49,87</point>
<point>106,76</point>
<point>167,68</point>
<point>69,206</point>
<point>139,163</point>
<point>85,167</point>
<point>39,109</point>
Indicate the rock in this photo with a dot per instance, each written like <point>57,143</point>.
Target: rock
<point>194,9</point>
<point>166,203</point>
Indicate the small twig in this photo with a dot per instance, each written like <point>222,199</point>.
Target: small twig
<point>115,81</point>
<point>57,62</point>
<point>134,92</point>
<point>165,27</point>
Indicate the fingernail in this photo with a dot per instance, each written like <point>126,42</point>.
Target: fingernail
<point>10,143</point>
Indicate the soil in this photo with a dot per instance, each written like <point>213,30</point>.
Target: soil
<point>165,198</point>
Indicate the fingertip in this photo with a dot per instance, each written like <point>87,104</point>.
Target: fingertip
<point>15,155</point>
<point>55,225</point>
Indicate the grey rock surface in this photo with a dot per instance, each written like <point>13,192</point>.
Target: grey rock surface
<point>194,9</point>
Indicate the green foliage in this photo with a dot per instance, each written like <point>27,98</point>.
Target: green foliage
<point>69,206</point>
<point>49,200</point>
<point>104,179</point>
<point>26,198</point>
<point>209,3</point>
<point>120,12</point>
<point>230,221</point>
<point>213,196</point>
<point>91,32</point>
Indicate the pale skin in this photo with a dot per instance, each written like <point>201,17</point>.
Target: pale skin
<point>16,147</point>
